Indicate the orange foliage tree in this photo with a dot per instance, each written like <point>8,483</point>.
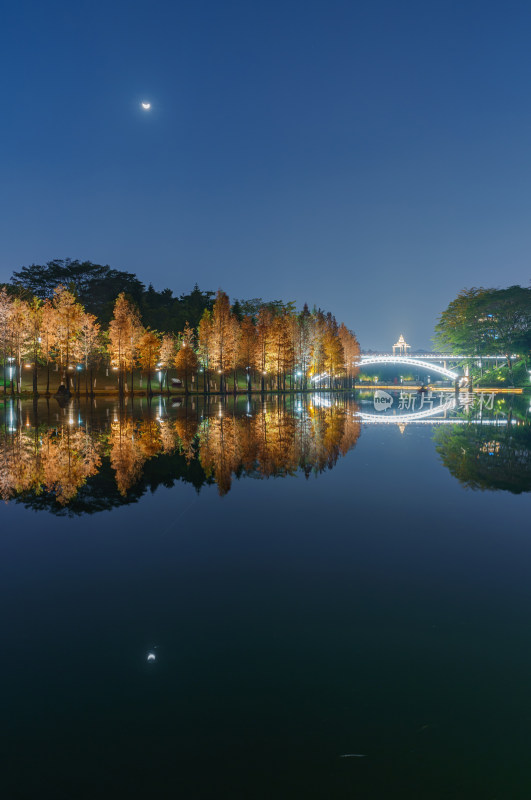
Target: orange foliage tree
<point>186,361</point>
<point>149,353</point>
<point>89,346</point>
<point>246,353</point>
<point>224,337</point>
<point>263,342</point>
<point>20,338</point>
<point>125,330</point>
<point>67,320</point>
<point>5,314</point>
<point>269,339</point>
<point>167,357</point>
<point>351,349</point>
<point>48,337</point>
<point>205,345</point>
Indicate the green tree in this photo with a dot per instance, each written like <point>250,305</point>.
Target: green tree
<point>508,315</point>
<point>462,328</point>
<point>487,321</point>
<point>95,286</point>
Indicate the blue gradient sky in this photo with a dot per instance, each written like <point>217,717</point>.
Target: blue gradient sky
<point>371,158</point>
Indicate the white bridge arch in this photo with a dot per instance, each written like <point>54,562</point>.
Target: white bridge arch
<point>398,419</point>
<point>410,362</point>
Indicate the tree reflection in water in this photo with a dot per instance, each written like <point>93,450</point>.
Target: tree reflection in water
<point>487,456</point>
<point>90,457</point>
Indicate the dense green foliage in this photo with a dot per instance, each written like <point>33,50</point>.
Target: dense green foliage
<point>516,375</point>
<point>96,287</point>
<point>487,322</point>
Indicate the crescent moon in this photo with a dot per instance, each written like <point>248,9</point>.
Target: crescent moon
<point>146,106</point>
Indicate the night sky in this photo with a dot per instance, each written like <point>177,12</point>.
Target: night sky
<point>372,158</point>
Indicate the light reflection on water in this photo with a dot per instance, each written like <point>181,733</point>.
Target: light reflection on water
<point>197,646</point>
<point>53,453</point>
<point>56,457</point>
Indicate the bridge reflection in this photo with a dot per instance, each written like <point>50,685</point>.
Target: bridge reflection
<point>88,457</point>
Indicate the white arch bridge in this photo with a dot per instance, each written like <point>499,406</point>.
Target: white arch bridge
<point>431,362</point>
<point>409,361</point>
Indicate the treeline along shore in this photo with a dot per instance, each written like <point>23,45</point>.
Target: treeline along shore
<point>70,327</point>
<point>490,322</point>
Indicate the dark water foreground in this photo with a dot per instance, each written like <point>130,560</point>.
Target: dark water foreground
<point>305,598</point>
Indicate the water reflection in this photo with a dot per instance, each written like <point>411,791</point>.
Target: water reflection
<point>483,438</point>
<point>487,456</point>
<point>88,457</point>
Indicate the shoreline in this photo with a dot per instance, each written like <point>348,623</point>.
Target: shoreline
<point>254,393</point>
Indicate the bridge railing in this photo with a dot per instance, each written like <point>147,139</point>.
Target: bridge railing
<point>438,356</point>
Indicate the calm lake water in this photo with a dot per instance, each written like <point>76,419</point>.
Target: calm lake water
<point>306,597</point>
